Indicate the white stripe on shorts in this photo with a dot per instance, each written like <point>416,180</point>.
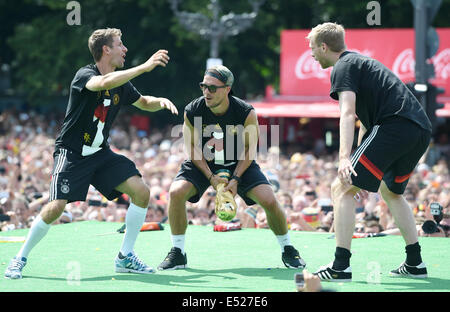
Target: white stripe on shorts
<point>360,150</point>
<point>59,165</point>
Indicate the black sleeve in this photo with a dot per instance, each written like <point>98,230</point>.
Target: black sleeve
<point>82,77</point>
<point>244,112</point>
<point>189,115</point>
<point>247,111</point>
<point>242,108</point>
<point>190,111</point>
<point>344,77</point>
<point>130,94</point>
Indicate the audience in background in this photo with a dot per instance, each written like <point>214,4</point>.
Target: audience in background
<point>301,181</point>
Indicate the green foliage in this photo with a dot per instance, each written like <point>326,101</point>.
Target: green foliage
<point>42,69</point>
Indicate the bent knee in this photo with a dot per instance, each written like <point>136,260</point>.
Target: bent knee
<point>57,206</point>
<point>181,191</point>
<point>268,203</point>
<point>335,187</point>
<point>386,193</point>
<point>338,189</point>
<point>53,210</point>
<point>141,195</point>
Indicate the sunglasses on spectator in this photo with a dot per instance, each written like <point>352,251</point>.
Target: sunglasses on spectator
<point>211,88</point>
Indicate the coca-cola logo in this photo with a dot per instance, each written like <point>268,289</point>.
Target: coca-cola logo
<point>404,64</point>
<point>307,67</point>
<point>441,63</point>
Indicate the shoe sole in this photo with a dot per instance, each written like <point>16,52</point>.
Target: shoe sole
<point>124,270</point>
<point>181,266</point>
<point>337,280</point>
<point>408,275</point>
<point>301,266</point>
<point>12,278</point>
<point>295,268</point>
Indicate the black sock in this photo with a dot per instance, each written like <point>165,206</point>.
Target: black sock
<point>341,259</point>
<point>121,256</point>
<point>413,256</point>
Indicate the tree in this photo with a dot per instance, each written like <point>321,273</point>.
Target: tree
<point>45,51</point>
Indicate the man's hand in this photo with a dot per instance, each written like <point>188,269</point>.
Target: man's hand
<point>167,104</point>
<point>232,187</point>
<point>153,104</point>
<point>216,180</point>
<point>160,58</point>
<point>312,282</point>
<point>345,170</point>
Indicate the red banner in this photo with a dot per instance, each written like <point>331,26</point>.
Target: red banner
<point>301,75</point>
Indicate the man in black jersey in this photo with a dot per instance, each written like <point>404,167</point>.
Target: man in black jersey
<point>394,134</point>
<point>213,126</point>
<point>82,154</point>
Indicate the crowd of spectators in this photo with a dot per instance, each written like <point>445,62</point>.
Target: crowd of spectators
<point>301,181</point>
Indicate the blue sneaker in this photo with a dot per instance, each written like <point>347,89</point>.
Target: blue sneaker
<point>14,269</point>
<point>131,264</point>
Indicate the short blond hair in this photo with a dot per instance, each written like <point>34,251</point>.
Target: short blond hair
<point>101,37</point>
<point>332,34</point>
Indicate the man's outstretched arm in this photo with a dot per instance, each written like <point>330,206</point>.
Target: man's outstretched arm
<point>120,77</point>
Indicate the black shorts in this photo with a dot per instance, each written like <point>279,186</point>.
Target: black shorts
<point>389,152</point>
<point>252,177</point>
<point>72,174</point>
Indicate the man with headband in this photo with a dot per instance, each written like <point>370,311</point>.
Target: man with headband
<point>221,134</point>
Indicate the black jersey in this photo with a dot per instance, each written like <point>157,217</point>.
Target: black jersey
<point>89,115</point>
<point>221,144</point>
<point>379,92</point>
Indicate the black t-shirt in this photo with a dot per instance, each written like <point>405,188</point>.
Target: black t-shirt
<point>89,115</point>
<point>379,92</point>
<point>220,143</point>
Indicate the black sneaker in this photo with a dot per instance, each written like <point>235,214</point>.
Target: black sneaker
<point>174,260</point>
<point>291,258</point>
<point>327,273</point>
<point>419,271</point>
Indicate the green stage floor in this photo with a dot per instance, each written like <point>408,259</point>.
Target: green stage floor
<point>75,258</point>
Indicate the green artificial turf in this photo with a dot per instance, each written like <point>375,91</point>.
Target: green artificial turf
<point>77,257</point>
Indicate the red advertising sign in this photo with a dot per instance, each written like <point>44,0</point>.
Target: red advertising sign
<point>301,75</point>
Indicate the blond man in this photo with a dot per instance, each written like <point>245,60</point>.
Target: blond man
<point>394,134</point>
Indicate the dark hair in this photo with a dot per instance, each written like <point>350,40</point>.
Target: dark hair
<point>371,217</point>
<point>372,223</point>
<point>161,209</point>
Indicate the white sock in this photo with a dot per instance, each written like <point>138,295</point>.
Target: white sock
<point>178,241</point>
<point>37,231</point>
<point>284,240</point>
<point>134,219</point>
